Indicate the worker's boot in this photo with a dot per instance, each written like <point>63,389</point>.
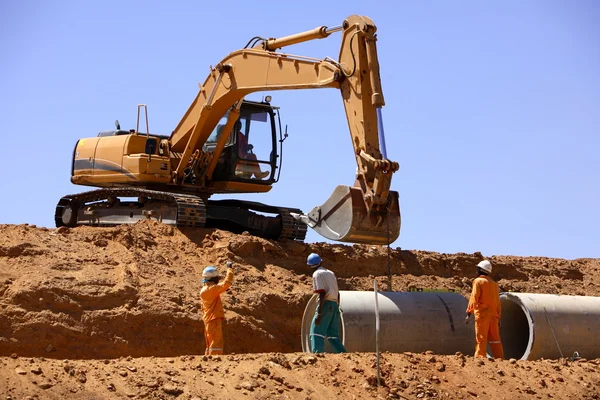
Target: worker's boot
<point>261,174</point>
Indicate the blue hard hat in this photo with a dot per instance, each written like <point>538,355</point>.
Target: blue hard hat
<point>313,260</point>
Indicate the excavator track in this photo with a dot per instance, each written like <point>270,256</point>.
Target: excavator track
<point>102,208</point>
<point>187,210</point>
<point>269,222</point>
<point>291,227</point>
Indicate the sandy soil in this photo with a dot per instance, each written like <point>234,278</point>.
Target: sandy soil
<point>96,313</point>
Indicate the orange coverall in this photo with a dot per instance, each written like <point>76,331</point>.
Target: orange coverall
<point>213,314</point>
<point>485,304</point>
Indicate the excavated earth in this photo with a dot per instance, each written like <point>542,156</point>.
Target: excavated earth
<point>103,313</point>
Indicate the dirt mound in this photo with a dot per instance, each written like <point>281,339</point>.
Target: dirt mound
<point>133,291</point>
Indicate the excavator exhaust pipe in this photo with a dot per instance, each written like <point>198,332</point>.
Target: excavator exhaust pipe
<point>344,218</point>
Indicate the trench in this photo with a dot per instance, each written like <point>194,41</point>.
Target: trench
<point>533,326</point>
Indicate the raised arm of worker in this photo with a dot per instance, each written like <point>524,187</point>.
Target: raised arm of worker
<point>225,284</point>
<point>473,300</point>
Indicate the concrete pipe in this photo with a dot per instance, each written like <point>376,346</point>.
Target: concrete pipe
<point>409,321</point>
<point>538,326</point>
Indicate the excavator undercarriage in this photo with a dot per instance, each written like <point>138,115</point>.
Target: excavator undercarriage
<point>104,207</point>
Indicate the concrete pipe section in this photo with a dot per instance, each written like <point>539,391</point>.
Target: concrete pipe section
<point>409,321</point>
<point>538,326</point>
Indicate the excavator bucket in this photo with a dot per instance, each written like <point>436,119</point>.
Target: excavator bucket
<point>344,217</point>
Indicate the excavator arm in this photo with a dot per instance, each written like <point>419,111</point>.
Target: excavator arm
<point>367,212</point>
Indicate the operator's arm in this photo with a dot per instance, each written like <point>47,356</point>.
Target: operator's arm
<point>242,145</point>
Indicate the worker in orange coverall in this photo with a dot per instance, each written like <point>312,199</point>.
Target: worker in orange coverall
<point>485,304</point>
<point>212,307</point>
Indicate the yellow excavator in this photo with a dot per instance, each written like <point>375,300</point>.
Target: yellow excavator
<point>226,144</point>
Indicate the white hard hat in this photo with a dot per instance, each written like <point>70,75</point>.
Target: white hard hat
<point>486,266</point>
<point>209,273</point>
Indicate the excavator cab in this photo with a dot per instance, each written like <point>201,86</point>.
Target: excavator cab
<point>250,152</point>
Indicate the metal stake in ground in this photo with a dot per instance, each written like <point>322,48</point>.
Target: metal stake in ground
<point>389,267</point>
<point>377,331</point>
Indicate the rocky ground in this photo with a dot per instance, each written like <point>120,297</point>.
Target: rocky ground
<point>97,313</point>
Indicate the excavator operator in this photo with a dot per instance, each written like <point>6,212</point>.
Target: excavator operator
<point>244,168</point>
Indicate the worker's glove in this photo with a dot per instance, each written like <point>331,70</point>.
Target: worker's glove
<point>467,319</point>
<point>229,264</point>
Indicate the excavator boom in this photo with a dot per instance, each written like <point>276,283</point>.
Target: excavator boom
<point>367,212</point>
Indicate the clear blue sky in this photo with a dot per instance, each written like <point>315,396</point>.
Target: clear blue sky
<point>492,108</point>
